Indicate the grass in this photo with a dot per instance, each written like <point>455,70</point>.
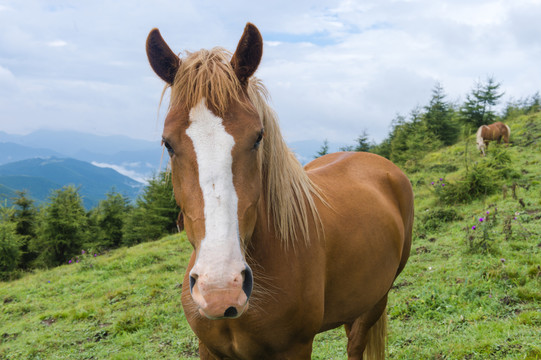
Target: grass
<point>465,294</point>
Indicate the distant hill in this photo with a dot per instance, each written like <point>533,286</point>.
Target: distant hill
<point>40,176</point>
<point>10,152</point>
<point>136,158</point>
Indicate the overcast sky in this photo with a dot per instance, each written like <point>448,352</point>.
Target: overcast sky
<point>333,68</point>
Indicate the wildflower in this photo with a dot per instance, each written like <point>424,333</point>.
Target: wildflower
<point>95,255</point>
<point>490,295</point>
<point>488,212</point>
<point>442,184</point>
<point>515,218</point>
<point>441,179</point>
<point>49,281</point>
<point>77,261</point>
<point>473,227</point>
<point>83,252</point>
<point>481,219</point>
<point>502,260</point>
<point>432,183</point>
<point>69,262</point>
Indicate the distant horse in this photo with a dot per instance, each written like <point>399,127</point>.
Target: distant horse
<point>281,253</point>
<point>496,131</point>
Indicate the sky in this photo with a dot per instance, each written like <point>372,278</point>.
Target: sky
<point>333,68</point>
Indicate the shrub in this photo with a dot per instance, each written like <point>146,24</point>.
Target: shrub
<point>433,219</point>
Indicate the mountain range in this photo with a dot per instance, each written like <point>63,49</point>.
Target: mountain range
<point>39,176</point>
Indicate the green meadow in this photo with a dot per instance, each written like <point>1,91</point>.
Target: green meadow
<point>471,288</point>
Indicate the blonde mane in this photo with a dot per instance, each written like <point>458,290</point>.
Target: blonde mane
<point>287,190</point>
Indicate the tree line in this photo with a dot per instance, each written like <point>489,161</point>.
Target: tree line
<point>53,233</point>
<point>440,123</point>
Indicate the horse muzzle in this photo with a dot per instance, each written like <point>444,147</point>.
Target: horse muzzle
<point>224,296</point>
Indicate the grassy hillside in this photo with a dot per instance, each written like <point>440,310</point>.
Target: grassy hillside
<point>465,294</point>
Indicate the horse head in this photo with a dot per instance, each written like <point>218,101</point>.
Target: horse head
<point>212,133</point>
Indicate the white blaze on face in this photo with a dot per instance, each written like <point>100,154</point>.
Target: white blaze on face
<point>220,248</point>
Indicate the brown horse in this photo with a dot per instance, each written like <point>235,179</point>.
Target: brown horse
<point>496,131</point>
<point>281,253</point>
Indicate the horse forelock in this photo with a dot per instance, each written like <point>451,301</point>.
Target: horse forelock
<point>206,74</point>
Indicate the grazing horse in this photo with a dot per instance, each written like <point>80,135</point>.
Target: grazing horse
<point>281,253</point>
<point>496,131</point>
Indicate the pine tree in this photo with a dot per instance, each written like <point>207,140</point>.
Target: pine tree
<point>108,220</point>
<point>478,110</point>
<point>10,243</point>
<point>438,117</point>
<point>155,213</point>
<point>324,150</point>
<point>62,229</point>
<point>25,217</point>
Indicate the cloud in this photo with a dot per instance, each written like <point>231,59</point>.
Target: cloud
<point>57,43</point>
<point>332,68</point>
<point>123,170</point>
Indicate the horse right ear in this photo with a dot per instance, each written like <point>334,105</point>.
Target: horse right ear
<point>163,60</point>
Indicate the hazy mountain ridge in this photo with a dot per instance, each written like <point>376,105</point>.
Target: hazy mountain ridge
<point>40,176</point>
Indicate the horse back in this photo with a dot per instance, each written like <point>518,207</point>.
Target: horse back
<point>367,221</point>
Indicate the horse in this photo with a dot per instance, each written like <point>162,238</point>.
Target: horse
<point>496,131</point>
<point>280,252</point>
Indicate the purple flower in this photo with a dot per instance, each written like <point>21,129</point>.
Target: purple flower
<point>442,184</point>
<point>488,212</point>
<point>515,218</point>
<point>69,262</point>
<point>441,179</point>
<point>83,252</point>
<point>481,219</point>
<point>502,260</point>
<point>95,255</point>
<point>473,227</point>
<point>432,183</point>
<point>49,281</point>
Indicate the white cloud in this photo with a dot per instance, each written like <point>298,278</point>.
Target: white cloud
<point>332,68</point>
<point>122,170</point>
<point>57,43</point>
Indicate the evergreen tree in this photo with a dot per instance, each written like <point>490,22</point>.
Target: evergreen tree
<point>25,217</point>
<point>438,118</point>
<point>324,150</point>
<point>478,108</point>
<point>62,230</point>
<point>155,213</point>
<point>10,243</point>
<point>108,220</point>
<point>363,144</point>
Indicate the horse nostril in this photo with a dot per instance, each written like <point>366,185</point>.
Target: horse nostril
<point>230,312</point>
<point>248,282</point>
<point>193,279</point>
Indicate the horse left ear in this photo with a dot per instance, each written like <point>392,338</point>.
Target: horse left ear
<point>248,55</point>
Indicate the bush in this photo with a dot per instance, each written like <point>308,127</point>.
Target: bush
<point>480,181</point>
<point>433,219</point>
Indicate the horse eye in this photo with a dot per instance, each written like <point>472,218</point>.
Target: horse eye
<point>168,147</point>
<point>259,138</point>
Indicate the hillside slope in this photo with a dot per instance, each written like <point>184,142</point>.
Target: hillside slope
<point>465,293</point>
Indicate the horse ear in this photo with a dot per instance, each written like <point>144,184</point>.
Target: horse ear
<point>163,60</point>
<point>248,55</point>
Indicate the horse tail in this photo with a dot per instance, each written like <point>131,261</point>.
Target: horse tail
<point>508,130</point>
<point>377,339</point>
